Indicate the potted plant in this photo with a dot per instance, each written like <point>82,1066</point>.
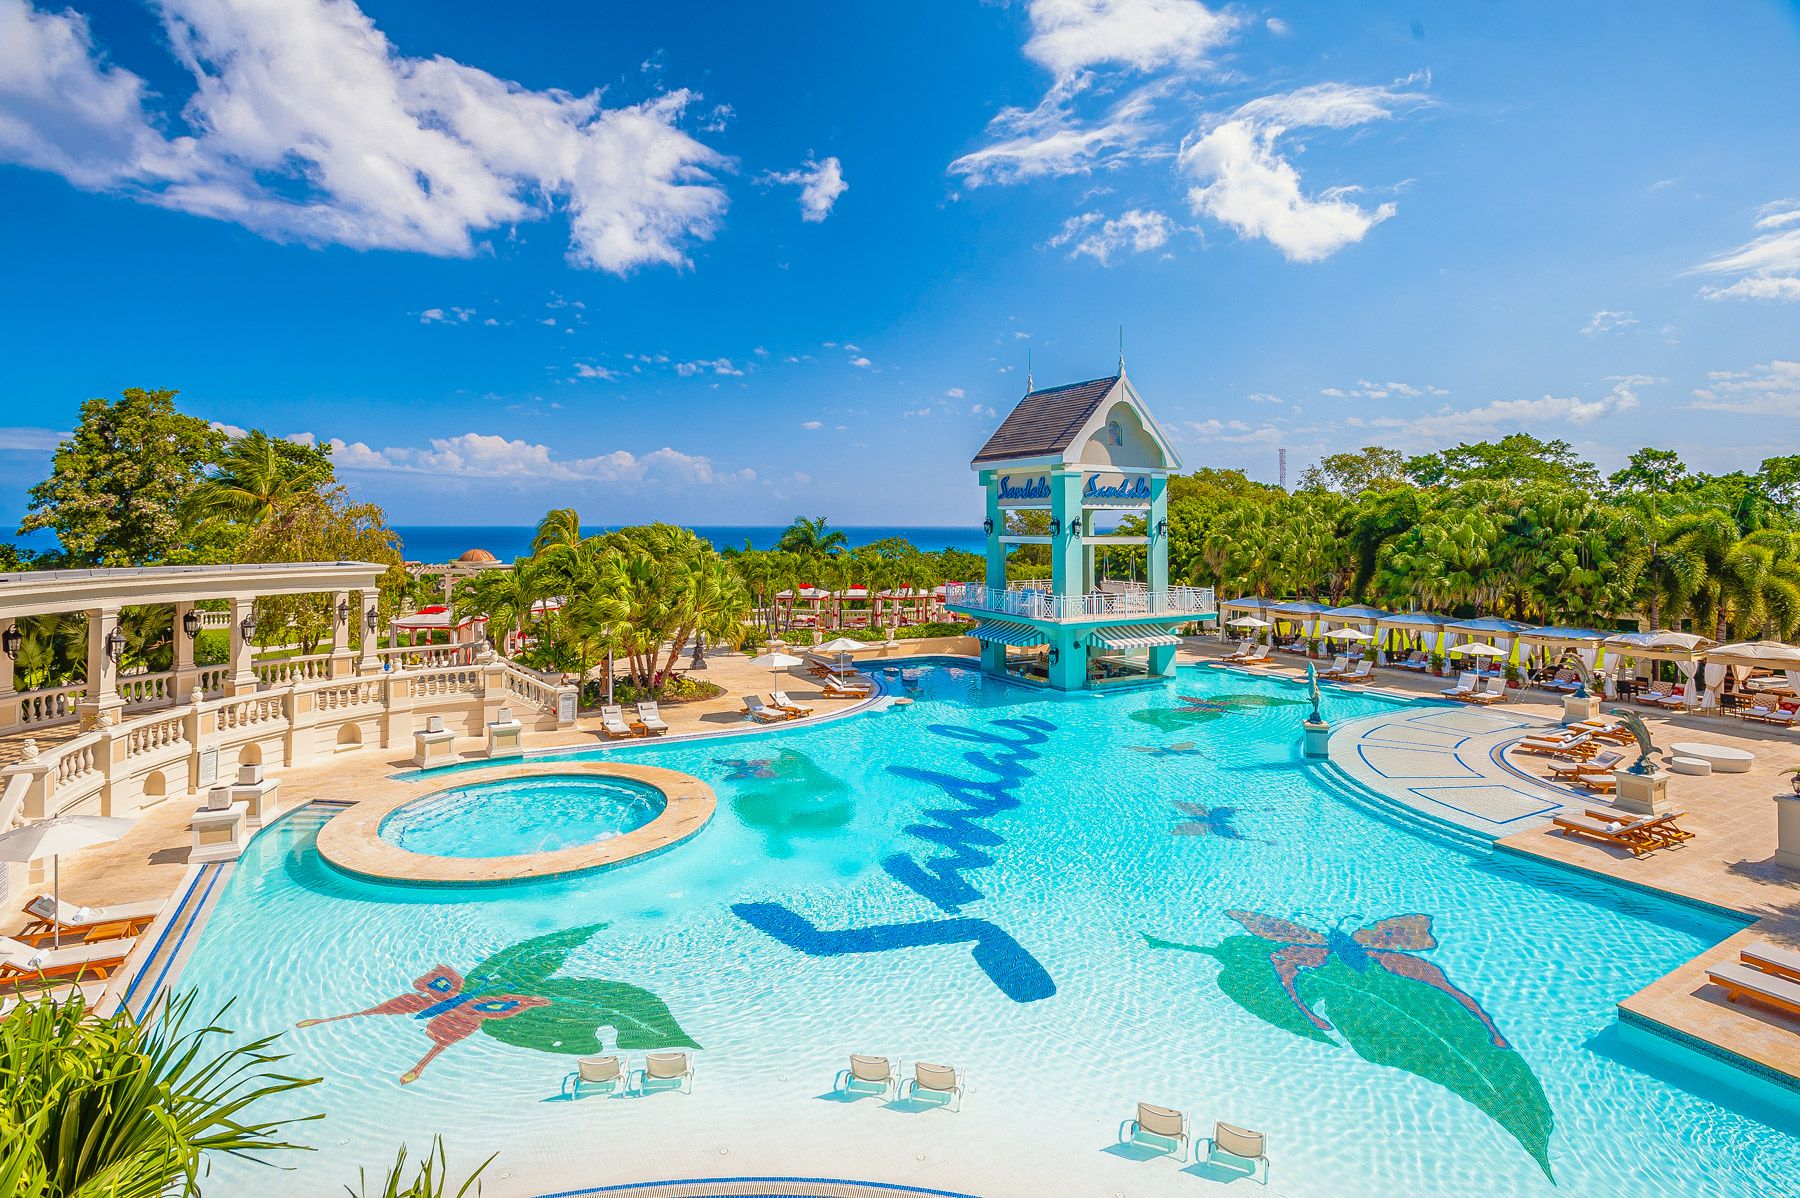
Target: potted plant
<point>1793,777</point>
<point>1437,664</point>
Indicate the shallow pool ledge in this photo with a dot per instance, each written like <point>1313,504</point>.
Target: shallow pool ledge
<point>352,840</point>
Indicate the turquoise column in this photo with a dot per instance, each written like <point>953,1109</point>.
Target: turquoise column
<point>993,657</point>
<point>1068,578</point>
<point>1156,565</point>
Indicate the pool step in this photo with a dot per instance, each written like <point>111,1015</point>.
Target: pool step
<point>1332,778</point>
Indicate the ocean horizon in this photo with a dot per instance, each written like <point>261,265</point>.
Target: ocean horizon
<point>433,543</point>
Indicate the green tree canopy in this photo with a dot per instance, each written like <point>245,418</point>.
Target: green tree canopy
<point>121,482</point>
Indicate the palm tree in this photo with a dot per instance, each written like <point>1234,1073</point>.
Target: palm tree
<point>508,598</point>
<point>809,538</point>
<point>256,474</point>
<point>560,526</point>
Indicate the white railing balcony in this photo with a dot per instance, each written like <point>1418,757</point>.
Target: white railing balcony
<point>1033,604</point>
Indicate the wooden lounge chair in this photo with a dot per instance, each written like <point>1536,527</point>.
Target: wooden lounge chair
<point>603,1075</point>
<point>868,1075</point>
<point>1488,689</point>
<point>1362,673</point>
<point>652,720</point>
<point>783,703</point>
<point>1245,648</point>
<point>1465,683</point>
<point>1416,660</point>
<point>1629,836</point>
<point>1767,957</point>
<point>667,1071</point>
<point>1610,731</point>
<point>1604,783</point>
<point>1159,1129</point>
<point>1599,763</point>
<point>1739,981</point>
<point>53,920</point>
<point>612,722</point>
<point>1661,828</point>
<point>1339,665</point>
<point>21,962</point>
<point>761,712</point>
<point>941,1082</point>
<point>1259,656</point>
<point>1579,745</point>
<point>842,690</point>
<point>1782,716</point>
<point>1238,1144</point>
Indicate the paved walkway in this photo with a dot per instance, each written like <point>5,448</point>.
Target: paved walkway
<point>1446,763</point>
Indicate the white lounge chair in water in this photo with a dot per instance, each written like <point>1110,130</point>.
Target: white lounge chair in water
<point>1157,1128</point>
<point>783,703</point>
<point>651,719</point>
<point>1238,1144</point>
<point>612,722</point>
<point>941,1082</point>
<point>596,1075</point>
<point>868,1075</point>
<point>761,712</point>
<point>1465,685</point>
<point>667,1071</point>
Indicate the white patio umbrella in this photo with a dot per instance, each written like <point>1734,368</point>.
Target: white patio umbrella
<point>776,662</point>
<point>1348,634</point>
<point>53,837</point>
<point>1476,649</point>
<point>842,646</point>
<point>1249,622</point>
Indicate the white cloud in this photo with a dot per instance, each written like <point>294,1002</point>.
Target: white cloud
<point>1144,35</point>
<point>860,363</point>
<point>1231,432</point>
<point>722,366</point>
<point>232,432</point>
<point>954,393</point>
<point>448,316</point>
<point>1051,140</point>
<point>1263,397</point>
<point>37,440</point>
<point>820,184</point>
<point>1607,321</point>
<point>1768,265</point>
<point>1136,230</point>
<point>1772,389</point>
<point>812,424</point>
<point>478,455</point>
<point>1368,389</point>
<point>306,124</point>
<point>1242,180</point>
<point>1447,425</point>
<point>589,370</point>
<point>1277,26</point>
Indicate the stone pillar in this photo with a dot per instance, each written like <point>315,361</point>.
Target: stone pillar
<point>366,662</point>
<point>241,680</point>
<point>1156,557</point>
<point>1069,671</point>
<point>1066,574</point>
<point>9,697</point>
<point>1787,832</point>
<point>342,663</point>
<point>102,671</point>
<point>185,677</point>
<point>996,515</point>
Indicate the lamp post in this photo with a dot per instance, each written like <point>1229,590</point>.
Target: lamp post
<point>190,624</point>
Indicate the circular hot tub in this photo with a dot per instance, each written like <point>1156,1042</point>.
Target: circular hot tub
<point>518,822</point>
<point>509,817</point>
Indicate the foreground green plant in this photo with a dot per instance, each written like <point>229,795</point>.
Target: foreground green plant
<point>113,1107</point>
<point>432,1179</point>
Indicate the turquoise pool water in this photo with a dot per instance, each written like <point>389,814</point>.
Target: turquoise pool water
<point>1076,899</point>
<point>517,816</point>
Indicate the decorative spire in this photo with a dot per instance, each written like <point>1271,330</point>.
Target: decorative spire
<point>1028,385</point>
<point>1121,349</point>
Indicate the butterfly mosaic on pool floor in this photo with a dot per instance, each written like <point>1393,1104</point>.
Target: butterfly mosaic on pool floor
<point>1368,989</point>
<point>1203,709</point>
<point>513,997</point>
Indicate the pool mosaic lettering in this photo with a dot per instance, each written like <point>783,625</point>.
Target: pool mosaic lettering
<point>1390,1006</point>
<point>512,997</point>
<point>1007,745</point>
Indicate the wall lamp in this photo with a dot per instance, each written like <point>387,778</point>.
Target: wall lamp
<point>1162,528</point>
<point>114,644</point>
<point>12,640</point>
<point>190,623</point>
<point>1054,656</point>
<point>1075,527</point>
<point>371,620</point>
<point>987,526</point>
<point>248,628</point>
<point>343,611</point>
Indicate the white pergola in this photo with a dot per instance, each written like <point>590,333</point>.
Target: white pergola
<point>103,593</point>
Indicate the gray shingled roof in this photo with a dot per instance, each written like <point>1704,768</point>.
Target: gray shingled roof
<point>1046,421</point>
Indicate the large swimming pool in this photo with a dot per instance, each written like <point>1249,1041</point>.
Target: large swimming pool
<point>1081,901</point>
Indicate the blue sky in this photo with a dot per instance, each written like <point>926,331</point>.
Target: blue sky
<point>727,263</point>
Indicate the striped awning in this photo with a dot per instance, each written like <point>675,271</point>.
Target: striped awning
<point>1005,632</point>
<point>1135,636</point>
